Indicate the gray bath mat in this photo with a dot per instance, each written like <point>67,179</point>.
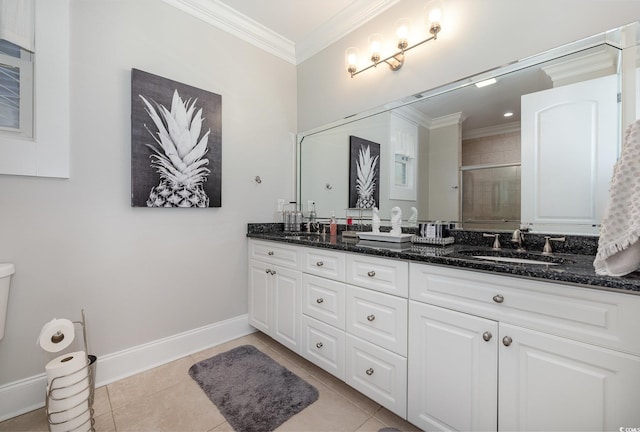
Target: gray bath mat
<point>251,390</point>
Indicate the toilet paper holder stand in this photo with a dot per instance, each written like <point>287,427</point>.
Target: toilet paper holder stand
<point>87,425</point>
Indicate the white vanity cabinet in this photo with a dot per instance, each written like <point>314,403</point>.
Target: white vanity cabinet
<point>452,349</point>
<point>274,291</point>
<point>352,327</point>
<point>492,352</point>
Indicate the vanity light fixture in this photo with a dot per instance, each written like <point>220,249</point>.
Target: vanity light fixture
<point>396,60</point>
<point>508,114</point>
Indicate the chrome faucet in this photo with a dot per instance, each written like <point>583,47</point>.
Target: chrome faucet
<point>496,240</point>
<point>518,238</point>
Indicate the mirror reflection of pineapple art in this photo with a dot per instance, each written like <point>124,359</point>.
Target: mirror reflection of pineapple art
<point>364,173</point>
<point>366,180</point>
<point>180,159</point>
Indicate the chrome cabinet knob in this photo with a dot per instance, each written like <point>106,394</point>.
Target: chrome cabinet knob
<point>319,263</point>
<point>320,300</point>
<point>273,272</point>
<point>371,273</point>
<point>507,340</point>
<point>498,298</point>
<point>319,345</point>
<point>268,271</point>
<point>487,336</point>
<point>270,253</point>
<point>371,317</point>
<point>369,371</point>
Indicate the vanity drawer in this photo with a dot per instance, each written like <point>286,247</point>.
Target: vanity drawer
<point>380,274</point>
<point>377,373</point>
<point>595,316</point>
<point>378,318</point>
<point>325,263</point>
<point>324,346</point>
<point>275,253</point>
<point>324,300</point>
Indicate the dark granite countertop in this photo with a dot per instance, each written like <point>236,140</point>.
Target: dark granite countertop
<point>569,268</point>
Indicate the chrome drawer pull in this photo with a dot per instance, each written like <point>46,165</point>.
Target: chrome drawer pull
<point>320,300</point>
<point>371,273</point>
<point>369,371</point>
<point>371,317</point>
<point>487,336</point>
<point>319,263</point>
<point>319,345</point>
<point>498,298</point>
<point>507,340</point>
<point>270,253</point>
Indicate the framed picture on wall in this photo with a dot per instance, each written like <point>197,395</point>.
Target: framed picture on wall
<point>176,144</point>
<point>364,173</point>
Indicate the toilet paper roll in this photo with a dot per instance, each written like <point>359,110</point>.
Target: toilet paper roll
<point>67,370</point>
<point>71,421</point>
<point>56,335</point>
<point>68,392</point>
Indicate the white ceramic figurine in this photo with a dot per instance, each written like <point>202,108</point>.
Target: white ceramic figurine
<point>375,221</point>
<point>396,221</point>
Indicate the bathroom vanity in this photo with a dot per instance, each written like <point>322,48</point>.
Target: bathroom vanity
<point>453,342</point>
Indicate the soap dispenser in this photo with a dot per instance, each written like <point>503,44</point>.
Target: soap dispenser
<point>312,212</point>
<point>333,225</point>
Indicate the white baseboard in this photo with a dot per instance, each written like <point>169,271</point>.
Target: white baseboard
<point>28,394</point>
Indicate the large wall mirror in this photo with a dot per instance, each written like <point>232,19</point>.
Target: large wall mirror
<point>532,143</point>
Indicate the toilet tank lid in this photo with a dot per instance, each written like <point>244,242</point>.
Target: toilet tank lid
<point>6,269</point>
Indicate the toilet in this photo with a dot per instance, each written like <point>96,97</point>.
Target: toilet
<point>6,270</point>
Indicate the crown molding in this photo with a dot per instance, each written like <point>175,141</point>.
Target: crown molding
<point>225,18</point>
<point>448,120</point>
<point>591,65</point>
<point>233,22</point>
<point>343,23</point>
<point>492,130</point>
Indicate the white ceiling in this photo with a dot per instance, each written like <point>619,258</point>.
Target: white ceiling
<point>293,30</point>
<point>294,20</point>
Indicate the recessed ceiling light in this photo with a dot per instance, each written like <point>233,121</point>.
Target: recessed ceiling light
<point>486,82</point>
<point>508,114</point>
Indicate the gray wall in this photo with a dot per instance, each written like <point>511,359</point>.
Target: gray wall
<point>480,36</point>
<point>142,274</point>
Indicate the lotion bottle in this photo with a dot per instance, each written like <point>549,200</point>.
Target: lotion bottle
<point>333,225</point>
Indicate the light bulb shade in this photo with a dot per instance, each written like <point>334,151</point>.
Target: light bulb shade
<point>402,31</point>
<point>375,46</point>
<point>434,12</point>
<point>351,59</point>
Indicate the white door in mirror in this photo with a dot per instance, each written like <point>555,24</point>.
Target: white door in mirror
<point>569,146</point>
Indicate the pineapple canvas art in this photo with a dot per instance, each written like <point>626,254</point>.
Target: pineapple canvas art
<point>175,144</point>
<point>364,173</point>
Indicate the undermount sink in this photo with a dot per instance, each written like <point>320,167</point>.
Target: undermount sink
<point>515,257</point>
<point>513,260</point>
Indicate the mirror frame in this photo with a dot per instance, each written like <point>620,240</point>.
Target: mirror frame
<point>612,37</point>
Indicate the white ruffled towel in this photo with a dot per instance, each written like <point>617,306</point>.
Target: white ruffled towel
<point>618,246</point>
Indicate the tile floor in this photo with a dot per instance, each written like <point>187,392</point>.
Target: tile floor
<point>167,399</point>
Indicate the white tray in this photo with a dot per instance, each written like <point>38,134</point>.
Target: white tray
<point>385,236</point>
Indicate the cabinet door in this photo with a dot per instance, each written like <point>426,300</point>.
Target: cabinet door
<point>260,296</point>
<point>287,287</point>
<point>452,370</point>
<point>377,373</point>
<point>552,383</point>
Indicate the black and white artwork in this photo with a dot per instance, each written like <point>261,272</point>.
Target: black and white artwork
<point>176,144</point>
<point>364,173</point>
